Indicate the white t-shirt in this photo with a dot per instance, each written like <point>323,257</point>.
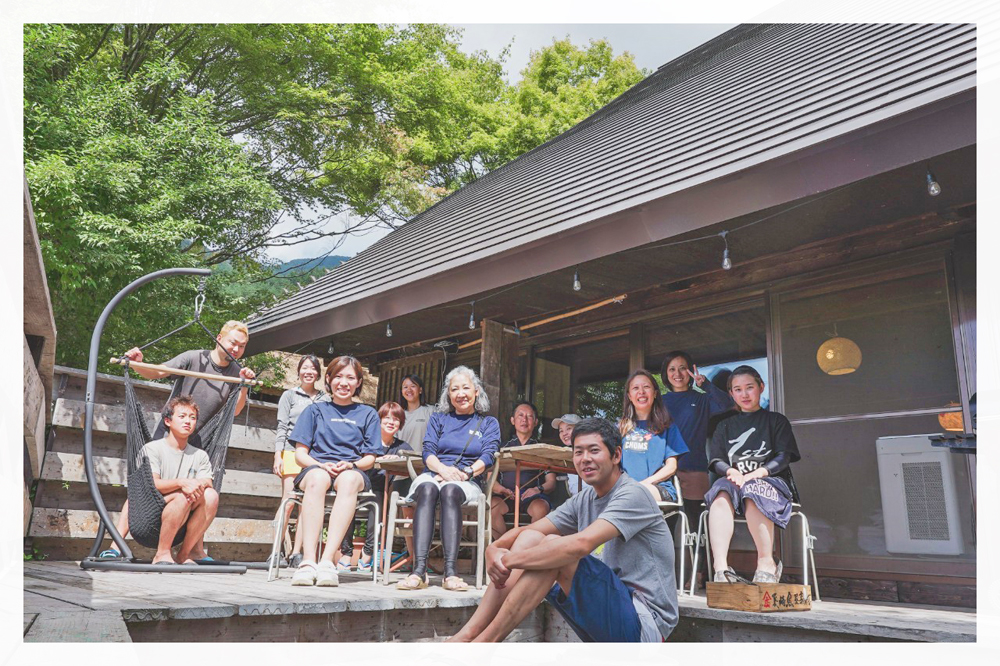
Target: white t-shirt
<point>415,428</point>
<point>170,463</point>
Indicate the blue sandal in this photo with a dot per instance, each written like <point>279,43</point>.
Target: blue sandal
<point>109,554</point>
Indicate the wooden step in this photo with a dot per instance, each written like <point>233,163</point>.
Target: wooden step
<point>70,413</point>
<point>81,524</point>
<point>112,471</point>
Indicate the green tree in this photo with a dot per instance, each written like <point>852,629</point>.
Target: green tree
<point>151,146</point>
<point>562,85</point>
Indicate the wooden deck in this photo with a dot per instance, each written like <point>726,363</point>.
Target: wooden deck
<point>64,603</point>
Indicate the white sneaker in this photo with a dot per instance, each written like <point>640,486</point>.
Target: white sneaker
<point>326,575</point>
<point>305,574</point>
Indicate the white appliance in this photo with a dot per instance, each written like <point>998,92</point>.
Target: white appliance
<point>919,499</point>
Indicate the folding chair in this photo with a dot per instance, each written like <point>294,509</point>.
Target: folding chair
<point>808,545</point>
<point>475,513</point>
<point>366,502</point>
<point>686,541</point>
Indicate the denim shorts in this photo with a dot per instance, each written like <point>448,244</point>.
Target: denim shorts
<point>599,605</point>
<point>302,475</point>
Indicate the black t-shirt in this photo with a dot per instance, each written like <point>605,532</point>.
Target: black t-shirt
<point>377,476</point>
<point>747,441</point>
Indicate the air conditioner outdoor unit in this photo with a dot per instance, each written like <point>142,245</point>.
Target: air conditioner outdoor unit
<point>919,502</point>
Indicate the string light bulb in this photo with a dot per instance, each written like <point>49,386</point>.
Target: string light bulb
<point>472,317</point>
<point>576,280</point>
<point>726,261</point>
<point>933,187</point>
<point>329,349</point>
<point>388,329</point>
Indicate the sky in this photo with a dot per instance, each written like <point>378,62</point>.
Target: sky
<point>651,45</point>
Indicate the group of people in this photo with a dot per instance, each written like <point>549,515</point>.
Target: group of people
<point>596,546</point>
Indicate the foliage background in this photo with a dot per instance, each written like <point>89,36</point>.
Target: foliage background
<point>151,146</point>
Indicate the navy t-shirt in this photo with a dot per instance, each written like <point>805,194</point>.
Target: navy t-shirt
<point>690,411</point>
<point>335,433</point>
<point>378,475</point>
<point>530,478</point>
<point>447,434</point>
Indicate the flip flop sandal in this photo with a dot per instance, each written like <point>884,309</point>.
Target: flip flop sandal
<point>734,577</point>
<point>341,566</point>
<point>364,566</point>
<point>761,576</point>
<point>405,584</point>
<point>109,554</point>
<point>454,584</point>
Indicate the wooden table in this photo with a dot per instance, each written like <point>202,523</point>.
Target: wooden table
<point>546,457</point>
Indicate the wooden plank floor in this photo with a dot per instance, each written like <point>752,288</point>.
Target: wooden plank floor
<point>65,603</point>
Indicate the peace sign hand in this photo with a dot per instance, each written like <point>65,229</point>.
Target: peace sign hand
<point>699,378</point>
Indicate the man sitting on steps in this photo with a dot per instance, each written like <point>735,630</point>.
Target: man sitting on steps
<point>183,475</point>
<point>625,594</point>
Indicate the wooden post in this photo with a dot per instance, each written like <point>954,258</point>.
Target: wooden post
<point>499,370</point>
<point>636,346</point>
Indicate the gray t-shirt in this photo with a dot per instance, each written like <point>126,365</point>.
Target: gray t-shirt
<point>642,555</point>
<point>209,395</point>
<point>290,406</point>
<point>415,428</point>
<point>170,463</point>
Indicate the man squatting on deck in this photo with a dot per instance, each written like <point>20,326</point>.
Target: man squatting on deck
<point>183,475</point>
<point>604,559</point>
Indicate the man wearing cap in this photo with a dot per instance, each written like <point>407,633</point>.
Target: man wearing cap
<point>568,484</point>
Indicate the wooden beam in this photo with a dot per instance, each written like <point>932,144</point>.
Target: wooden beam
<point>35,410</point>
<point>636,346</point>
<point>491,365</point>
<point>68,467</point>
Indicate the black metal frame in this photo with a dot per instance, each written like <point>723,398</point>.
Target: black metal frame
<point>127,562</point>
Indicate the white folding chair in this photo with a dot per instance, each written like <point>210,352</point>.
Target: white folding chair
<point>686,542</point>
<point>808,545</point>
<point>475,513</point>
<point>367,502</point>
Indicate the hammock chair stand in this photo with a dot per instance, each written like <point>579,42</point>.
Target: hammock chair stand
<point>127,562</point>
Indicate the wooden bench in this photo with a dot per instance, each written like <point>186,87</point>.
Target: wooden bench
<point>63,519</point>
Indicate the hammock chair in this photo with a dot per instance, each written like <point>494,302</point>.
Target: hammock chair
<point>145,501</point>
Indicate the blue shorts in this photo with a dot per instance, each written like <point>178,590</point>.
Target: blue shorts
<point>599,605</point>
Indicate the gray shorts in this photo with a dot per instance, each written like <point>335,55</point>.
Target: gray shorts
<point>770,494</point>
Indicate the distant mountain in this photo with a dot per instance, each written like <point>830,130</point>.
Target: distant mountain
<point>309,265</point>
